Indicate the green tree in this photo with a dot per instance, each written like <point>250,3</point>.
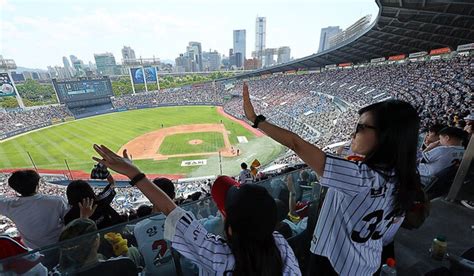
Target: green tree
<point>8,102</point>
<point>34,93</point>
<point>122,86</point>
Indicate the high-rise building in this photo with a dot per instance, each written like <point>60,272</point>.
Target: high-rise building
<point>66,62</point>
<point>284,54</point>
<point>240,47</point>
<point>58,72</point>
<point>105,63</point>
<point>252,64</point>
<point>211,60</point>
<point>73,58</point>
<point>232,59</point>
<point>44,75</point>
<point>183,63</point>
<point>260,36</point>
<point>268,57</point>
<point>350,32</point>
<point>128,53</point>
<point>327,33</point>
<point>67,66</point>
<point>194,51</point>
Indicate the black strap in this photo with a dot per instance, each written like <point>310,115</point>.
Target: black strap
<point>137,178</point>
<point>258,120</point>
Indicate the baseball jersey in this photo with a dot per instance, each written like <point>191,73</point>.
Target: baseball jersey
<point>211,252</point>
<point>154,249</point>
<point>245,177</point>
<point>356,214</point>
<point>439,159</point>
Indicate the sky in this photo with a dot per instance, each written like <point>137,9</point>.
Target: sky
<point>38,33</point>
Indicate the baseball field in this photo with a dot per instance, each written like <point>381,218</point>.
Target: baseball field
<point>175,141</point>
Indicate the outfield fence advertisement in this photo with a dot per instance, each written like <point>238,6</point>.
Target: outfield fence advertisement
<point>6,85</point>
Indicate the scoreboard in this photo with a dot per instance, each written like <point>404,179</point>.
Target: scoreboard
<point>83,92</point>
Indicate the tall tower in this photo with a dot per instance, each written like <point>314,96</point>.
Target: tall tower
<point>240,46</point>
<point>326,34</point>
<point>196,46</point>
<point>260,36</point>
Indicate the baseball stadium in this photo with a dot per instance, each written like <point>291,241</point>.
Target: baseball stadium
<point>179,142</point>
<point>355,160</point>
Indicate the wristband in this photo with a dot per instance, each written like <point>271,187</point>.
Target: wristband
<point>137,178</point>
<point>258,120</point>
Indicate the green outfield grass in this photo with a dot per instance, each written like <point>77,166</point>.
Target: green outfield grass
<point>73,140</point>
<point>211,142</point>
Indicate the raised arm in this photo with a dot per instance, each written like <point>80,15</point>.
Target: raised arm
<point>124,166</point>
<point>291,189</point>
<point>309,153</point>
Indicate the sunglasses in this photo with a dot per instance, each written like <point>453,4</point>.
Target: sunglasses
<point>361,127</point>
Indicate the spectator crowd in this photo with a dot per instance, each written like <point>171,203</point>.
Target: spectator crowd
<point>322,108</point>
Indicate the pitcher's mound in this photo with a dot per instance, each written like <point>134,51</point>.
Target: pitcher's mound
<point>195,142</point>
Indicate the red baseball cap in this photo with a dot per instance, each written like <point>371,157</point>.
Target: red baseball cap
<point>219,190</point>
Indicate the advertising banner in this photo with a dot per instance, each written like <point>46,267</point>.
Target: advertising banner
<point>440,51</point>
<point>137,75</point>
<point>345,64</point>
<point>465,47</point>
<point>398,57</point>
<point>6,85</point>
<point>376,60</point>
<point>418,54</point>
<point>150,74</point>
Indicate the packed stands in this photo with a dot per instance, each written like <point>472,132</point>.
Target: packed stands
<point>24,120</point>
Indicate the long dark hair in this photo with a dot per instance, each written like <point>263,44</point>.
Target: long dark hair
<point>398,125</point>
<point>252,217</point>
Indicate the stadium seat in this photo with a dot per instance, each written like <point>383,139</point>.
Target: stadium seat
<point>441,183</point>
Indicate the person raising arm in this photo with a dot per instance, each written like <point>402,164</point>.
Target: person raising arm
<point>366,200</point>
<point>252,247</point>
<point>309,153</point>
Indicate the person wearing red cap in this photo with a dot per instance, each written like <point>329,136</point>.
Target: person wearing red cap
<point>252,247</point>
<point>28,265</point>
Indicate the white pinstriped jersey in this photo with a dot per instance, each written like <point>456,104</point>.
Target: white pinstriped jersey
<point>210,251</point>
<point>357,212</point>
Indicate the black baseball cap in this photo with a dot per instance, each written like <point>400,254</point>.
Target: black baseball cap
<point>251,211</point>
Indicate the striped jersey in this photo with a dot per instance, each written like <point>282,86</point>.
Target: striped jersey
<point>246,177</point>
<point>439,159</point>
<point>211,252</point>
<point>357,212</point>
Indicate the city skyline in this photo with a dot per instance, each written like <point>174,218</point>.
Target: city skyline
<point>77,29</point>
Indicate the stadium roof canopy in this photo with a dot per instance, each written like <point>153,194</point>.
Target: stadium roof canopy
<point>401,27</point>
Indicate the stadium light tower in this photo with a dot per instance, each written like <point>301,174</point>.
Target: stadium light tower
<point>8,87</point>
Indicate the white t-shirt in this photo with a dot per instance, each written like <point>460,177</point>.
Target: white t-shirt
<point>38,218</point>
<point>357,213</point>
<point>155,250</point>
<point>439,159</point>
<point>211,252</point>
<point>245,177</point>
